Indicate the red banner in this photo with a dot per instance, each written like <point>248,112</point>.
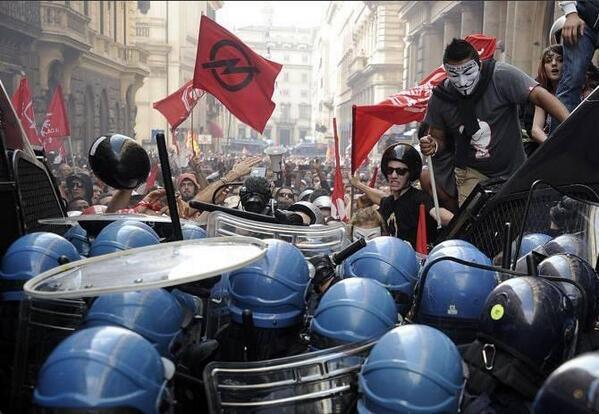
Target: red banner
<point>237,76</point>
<point>178,105</point>
<point>338,210</point>
<point>23,104</point>
<point>371,121</point>
<point>56,124</point>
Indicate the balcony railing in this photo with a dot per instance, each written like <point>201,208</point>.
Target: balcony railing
<point>27,12</point>
<point>61,20</point>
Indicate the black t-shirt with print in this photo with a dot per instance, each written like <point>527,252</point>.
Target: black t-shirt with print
<point>401,215</point>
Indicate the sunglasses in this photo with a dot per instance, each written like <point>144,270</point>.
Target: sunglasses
<point>398,171</point>
<point>286,195</point>
<point>76,185</point>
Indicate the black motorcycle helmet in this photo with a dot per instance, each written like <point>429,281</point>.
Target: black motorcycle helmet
<point>309,209</point>
<point>566,243</point>
<point>572,388</point>
<point>406,154</point>
<point>119,161</point>
<point>572,267</point>
<point>532,319</point>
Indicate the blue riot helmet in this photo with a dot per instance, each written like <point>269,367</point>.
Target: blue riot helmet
<point>273,288</point>
<point>451,243</point>
<point>389,261</point>
<point>412,369</point>
<point>103,368</point>
<point>77,235</point>
<point>29,256</point>
<point>193,232</point>
<point>566,243</point>
<point>154,314</point>
<point>531,319</point>
<point>452,294</point>
<point>572,388</point>
<point>352,310</point>
<point>122,235</point>
<point>530,242</point>
<point>574,268</point>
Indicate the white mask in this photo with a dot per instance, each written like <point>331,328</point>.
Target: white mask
<point>368,234</point>
<point>463,77</point>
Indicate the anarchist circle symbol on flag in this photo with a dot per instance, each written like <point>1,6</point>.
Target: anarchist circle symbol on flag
<point>230,66</point>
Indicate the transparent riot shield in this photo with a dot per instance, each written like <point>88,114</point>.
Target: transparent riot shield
<point>317,382</point>
<point>572,222</point>
<point>310,240</point>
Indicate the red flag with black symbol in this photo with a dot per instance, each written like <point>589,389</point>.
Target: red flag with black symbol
<point>421,240</point>
<point>338,209</point>
<point>233,73</point>
<point>23,104</point>
<point>56,124</point>
<point>178,105</point>
<point>371,121</point>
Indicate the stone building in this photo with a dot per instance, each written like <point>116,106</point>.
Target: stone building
<point>86,47</point>
<point>360,58</point>
<point>521,28</point>
<point>168,30</point>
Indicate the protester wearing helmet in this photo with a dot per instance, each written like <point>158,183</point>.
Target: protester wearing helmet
<point>103,369</point>
<point>267,305</point>
<point>412,369</point>
<point>401,165</point>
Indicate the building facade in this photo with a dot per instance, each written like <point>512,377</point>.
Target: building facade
<point>86,47</point>
<point>521,28</point>
<point>291,122</point>
<point>168,30</point>
<point>360,47</point>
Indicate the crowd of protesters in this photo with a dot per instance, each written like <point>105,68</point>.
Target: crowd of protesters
<point>462,154</point>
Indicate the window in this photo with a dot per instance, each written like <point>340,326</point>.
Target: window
<point>284,92</point>
<point>286,76</point>
<point>241,132</point>
<point>286,58</point>
<point>304,111</point>
<point>304,78</point>
<point>305,58</point>
<point>285,111</point>
<point>302,134</point>
<point>267,133</point>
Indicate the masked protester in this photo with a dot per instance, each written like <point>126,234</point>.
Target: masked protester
<point>478,105</point>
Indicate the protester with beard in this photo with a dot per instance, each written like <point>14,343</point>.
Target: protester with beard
<point>477,106</point>
<point>188,186</point>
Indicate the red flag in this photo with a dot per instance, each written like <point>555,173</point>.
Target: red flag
<point>237,76</point>
<point>371,121</point>
<point>178,105</point>
<point>421,241</point>
<point>56,124</point>
<point>151,181</point>
<point>373,179</point>
<point>338,203</point>
<point>23,104</point>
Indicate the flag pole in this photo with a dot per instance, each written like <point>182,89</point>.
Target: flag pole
<point>353,148</point>
<point>71,151</point>
<point>429,161</point>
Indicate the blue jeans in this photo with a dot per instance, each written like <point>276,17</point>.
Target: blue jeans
<point>576,61</point>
